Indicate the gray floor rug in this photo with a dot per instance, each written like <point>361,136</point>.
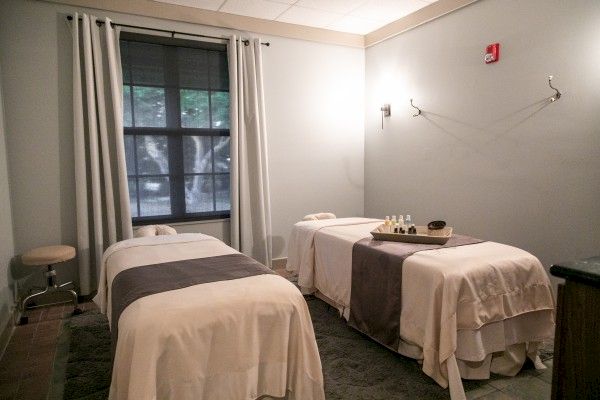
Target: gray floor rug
<point>354,367</point>
<point>82,367</point>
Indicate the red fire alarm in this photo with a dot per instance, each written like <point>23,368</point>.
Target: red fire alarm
<point>492,53</point>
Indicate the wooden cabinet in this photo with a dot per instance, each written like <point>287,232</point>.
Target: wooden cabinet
<point>576,365</point>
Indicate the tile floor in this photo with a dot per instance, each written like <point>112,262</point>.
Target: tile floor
<point>27,364</point>
<point>529,384</point>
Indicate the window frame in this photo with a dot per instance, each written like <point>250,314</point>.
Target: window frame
<point>174,132</point>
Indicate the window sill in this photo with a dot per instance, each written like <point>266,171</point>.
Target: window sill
<point>204,221</point>
<point>176,222</point>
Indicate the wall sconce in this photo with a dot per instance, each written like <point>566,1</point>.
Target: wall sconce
<point>386,111</point>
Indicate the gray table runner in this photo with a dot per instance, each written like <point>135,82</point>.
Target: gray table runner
<point>138,282</point>
<point>376,291</point>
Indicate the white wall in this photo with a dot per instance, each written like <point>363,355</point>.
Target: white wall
<point>314,105</point>
<point>7,247</point>
<point>314,95</point>
<point>490,155</point>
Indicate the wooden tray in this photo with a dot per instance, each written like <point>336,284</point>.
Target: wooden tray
<point>421,236</point>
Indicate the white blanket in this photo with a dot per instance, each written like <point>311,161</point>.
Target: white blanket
<point>444,292</point>
<point>235,339</point>
<point>301,247</point>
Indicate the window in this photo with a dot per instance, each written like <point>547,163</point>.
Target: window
<point>176,125</point>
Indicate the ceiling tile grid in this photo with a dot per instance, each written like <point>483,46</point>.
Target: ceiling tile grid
<point>352,24</point>
<point>353,16</point>
<point>212,5</point>
<point>308,16</point>
<point>256,8</point>
<point>387,11</point>
<point>336,6</point>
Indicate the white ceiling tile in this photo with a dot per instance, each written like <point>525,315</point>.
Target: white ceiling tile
<point>337,6</point>
<point>308,16</point>
<point>284,1</point>
<point>352,24</point>
<point>202,4</point>
<point>254,8</point>
<point>356,16</point>
<point>387,10</point>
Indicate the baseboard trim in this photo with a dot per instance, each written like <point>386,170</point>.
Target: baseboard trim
<point>7,332</point>
<point>278,263</point>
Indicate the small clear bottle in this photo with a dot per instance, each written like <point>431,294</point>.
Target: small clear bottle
<point>410,227</point>
<point>401,224</point>
<point>386,224</point>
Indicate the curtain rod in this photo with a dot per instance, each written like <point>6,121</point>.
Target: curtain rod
<point>173,33</point>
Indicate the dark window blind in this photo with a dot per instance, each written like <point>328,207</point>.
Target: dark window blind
<point>176,125</point>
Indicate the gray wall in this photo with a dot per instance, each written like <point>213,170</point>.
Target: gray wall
<point>490,155</point>
<point>7,247</point>
<point>314,94</point>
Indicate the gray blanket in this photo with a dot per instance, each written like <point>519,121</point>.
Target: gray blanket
<point>135,283</point>
<point>376,291</point>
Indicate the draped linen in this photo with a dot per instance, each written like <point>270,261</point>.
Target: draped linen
<point>250,196</point>
<point>98,145</point>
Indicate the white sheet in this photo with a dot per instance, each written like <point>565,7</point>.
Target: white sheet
<point>236,339</point>
<point>444,291</point>
<point>301,247</point>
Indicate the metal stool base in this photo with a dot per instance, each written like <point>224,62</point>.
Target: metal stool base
<point>51,287</point>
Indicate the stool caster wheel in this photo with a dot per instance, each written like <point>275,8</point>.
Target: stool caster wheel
<point>77,311</point>
<point>23,320</point>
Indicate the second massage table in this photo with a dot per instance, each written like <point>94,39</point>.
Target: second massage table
<point>466,311</point>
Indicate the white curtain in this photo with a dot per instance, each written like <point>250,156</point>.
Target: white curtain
<point>250,203</point>
<point>99,145</point>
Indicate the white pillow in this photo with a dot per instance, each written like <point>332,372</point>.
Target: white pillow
<point>143,231</point>
<point>165,230</point>
<point>318,216</point>
<point>153,230</point>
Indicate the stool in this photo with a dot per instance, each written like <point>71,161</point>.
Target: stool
<point>49,256</point>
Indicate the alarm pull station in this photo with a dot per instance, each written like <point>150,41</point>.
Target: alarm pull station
<point>492,53</point>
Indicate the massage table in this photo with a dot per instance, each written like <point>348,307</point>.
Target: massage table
<point>192,318</point>
<point>465,311</point>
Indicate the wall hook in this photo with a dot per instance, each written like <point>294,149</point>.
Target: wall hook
<point>415,107</point>
<point>557,94</point>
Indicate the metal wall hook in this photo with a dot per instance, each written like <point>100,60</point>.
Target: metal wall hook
<point>415,107</point>
<point>557,94</point>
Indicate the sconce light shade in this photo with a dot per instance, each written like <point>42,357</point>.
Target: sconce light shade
<point>386,111</point>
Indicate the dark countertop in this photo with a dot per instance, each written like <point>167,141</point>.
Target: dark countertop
<point>587,270</point>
